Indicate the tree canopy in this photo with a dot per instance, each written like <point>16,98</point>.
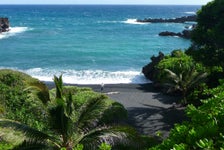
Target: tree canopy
<point>208,36</point>
<point>209,31</point>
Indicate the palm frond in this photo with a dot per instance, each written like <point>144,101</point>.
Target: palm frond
<point>58,113</point>
<point>58,85</point>
<point>40,89</point>
<point>198,78</point>
<point>61,122</point>
<point>29,132</point>
<point>69,107</point>
<point>69,126</point>
<point>58,119</point>
<point>113,135</point>
<point>183,81</point>
<point>171,74</point>
<point>91,112</point>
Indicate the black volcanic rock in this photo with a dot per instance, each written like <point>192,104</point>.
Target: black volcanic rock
<point>150,70</point>
<point>175,20</point>
<point>167,33</point>
<point>185,34</point>
<point>4,25</point>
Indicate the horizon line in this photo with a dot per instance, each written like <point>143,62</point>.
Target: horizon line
<point>104,4</point>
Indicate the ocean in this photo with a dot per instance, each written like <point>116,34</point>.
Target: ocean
<point>88,44</point>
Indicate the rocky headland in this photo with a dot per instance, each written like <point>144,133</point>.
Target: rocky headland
<point>184,19</point>
<point>4,25</point>
<point>184,34</point>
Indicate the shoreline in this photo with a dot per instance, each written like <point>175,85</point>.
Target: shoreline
<point>108,87</point>
<point>149,111</point>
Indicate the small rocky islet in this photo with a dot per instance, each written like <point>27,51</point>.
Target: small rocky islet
<point>4,25</point>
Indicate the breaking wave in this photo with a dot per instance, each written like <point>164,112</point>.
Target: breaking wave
<point>128,21</point>
<point>89,76</point>
<point>133,21</point>
<point>13,31</point>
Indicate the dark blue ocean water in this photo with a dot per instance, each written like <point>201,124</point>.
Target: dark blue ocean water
<point>88,44</point>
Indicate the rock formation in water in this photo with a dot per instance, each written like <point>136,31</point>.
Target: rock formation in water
<point>4,25</point>
<point>175,20</point>
<point>184,34</point>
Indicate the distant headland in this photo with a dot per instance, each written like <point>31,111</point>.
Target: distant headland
<point>184,19</point>
<point>4,25</point>
<point>184,34</point>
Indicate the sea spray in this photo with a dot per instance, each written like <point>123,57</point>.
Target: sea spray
<point>89,76</point>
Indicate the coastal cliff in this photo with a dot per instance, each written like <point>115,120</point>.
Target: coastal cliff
<point>4,25</point>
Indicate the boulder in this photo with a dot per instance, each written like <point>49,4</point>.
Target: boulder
<point>4,25</point>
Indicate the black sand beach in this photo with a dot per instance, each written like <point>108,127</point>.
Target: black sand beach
<point>148,110</point>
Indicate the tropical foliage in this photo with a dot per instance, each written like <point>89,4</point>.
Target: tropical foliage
<point>208,37</point>
<point>204,130</point>
<point>210,21</point>
<point>19,101</point>
<point>75,116</point>
<point>179,73</point>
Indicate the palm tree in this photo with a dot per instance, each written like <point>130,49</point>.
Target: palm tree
<point>70,127</point>
<point>183,81</point>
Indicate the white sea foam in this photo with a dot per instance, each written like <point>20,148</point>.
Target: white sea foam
<point>89,76</point>
<point>133,21</point>
<point>128,21</point>
<point>190,12</point>
<point>13,31</point>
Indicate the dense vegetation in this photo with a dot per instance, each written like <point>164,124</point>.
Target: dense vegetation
<point>204,130</point>
<point>185,71</point>
<point>180,73</point>
<point>20,100</point>
<point>208,37</point>
<point>197,75</point>
<point>64,117</point>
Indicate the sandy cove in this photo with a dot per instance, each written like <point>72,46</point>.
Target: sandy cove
<point>149,111</point>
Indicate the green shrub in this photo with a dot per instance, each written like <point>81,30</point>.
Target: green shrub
<point>19,101</point>
<point>178,62</point>
<point>179,73</point>
<point>204,130</point>
<point>115,112</point>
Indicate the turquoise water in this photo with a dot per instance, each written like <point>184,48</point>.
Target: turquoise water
<point>88,44</point>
